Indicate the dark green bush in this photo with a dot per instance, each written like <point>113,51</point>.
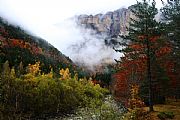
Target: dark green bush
<point>165,115</point>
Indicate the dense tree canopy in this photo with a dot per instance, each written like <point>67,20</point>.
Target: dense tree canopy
<point>144,46</point>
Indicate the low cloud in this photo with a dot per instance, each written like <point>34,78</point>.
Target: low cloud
<point>48,19</point>
<point>84,46</point>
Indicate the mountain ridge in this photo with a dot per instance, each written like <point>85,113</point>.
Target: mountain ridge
<point>110,23</point>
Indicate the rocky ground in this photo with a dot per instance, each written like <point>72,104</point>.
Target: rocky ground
<point>110,110</point>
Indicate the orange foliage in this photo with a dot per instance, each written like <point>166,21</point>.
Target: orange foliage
<point>121,87</point>
<point>154,38</point>
<point>133,69</point>
<point>136,46</point>
<point>22,44</point>
<point>162,51</point>
<point>95,82</point>
<point>135,101</point>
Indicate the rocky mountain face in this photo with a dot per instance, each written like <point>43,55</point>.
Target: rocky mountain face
<point>104,27</point>
<point>111,23</point>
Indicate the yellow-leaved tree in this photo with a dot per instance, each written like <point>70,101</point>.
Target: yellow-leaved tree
<point>135,101</point>
<point>34,69</point>
<point>65,74</point>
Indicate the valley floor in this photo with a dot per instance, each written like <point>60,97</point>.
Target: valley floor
<point>109,110</point>
<point>92,114</point>
<point>171,106</point>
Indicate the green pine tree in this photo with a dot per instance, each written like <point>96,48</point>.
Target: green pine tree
<point>143,25</point>
<point>171,16</point>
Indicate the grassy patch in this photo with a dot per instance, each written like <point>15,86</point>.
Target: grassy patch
<point>171,106</point>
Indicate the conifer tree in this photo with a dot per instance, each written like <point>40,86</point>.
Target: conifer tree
<point>171,17</point>
<point>144,31</point>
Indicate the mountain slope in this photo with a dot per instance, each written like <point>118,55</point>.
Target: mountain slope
<point>16,46</point>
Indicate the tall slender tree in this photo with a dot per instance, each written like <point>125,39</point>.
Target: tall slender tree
<point>144,31</point>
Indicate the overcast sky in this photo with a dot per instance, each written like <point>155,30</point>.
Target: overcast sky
<point>49,19</point>
<point>35,14</point>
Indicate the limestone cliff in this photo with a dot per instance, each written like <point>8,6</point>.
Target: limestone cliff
<point>111,23</point>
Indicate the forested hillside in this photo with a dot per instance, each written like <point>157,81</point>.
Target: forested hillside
<point>37,81</point>
<point>17,46</point>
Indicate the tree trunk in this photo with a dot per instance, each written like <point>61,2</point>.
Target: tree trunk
<point>149,76</point>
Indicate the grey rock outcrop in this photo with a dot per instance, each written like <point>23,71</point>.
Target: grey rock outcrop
<point>111,23</point>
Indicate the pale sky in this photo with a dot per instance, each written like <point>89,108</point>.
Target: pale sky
<point>34,14</point>
<point>49,19</point>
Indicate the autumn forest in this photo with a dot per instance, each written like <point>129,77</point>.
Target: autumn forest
<point>37,81</point>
